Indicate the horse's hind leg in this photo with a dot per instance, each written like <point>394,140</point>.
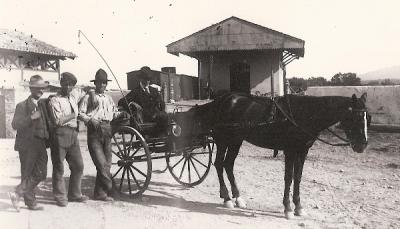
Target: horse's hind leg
<point>219,166</point>
<point>289,163</point>
<point>298,170</point>
<point>229,162</point>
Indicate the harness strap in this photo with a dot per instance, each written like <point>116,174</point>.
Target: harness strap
<point>307,132</point>
<point>336,135</point>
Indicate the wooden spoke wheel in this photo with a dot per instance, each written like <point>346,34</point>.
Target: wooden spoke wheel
<point>191,167</point>
<point>131,161</point>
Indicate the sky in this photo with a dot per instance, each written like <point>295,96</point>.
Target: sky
<point>340,36</point>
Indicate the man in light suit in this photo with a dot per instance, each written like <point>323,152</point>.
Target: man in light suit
<point>65,145</point>
<point>97,113</point>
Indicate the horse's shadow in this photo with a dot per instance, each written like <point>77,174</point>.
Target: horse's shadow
<point>45,196</point>
<point>170,200</point>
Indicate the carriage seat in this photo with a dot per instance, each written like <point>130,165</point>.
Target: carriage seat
<point>147,128</point>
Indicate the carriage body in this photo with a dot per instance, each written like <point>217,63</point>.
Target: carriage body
<point>135,146</point>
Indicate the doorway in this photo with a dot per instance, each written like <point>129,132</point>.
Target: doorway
<point>240,77</point>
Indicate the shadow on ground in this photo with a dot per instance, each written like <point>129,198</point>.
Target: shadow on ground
<point>44,196</point>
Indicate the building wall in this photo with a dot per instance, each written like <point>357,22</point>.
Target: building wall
<point>9,108</point>
<point>382,101</point>
<point>174,86</point>
<point>2,117</point>
<point>261,66</point>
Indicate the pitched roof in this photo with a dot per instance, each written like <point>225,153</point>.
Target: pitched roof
<point>236,34</point>
<point>18,41</point>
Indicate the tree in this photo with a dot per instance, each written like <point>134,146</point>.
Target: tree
<point>317,81</point>
<point>387,82</point>
<point>345,79</point>
<point>298,84</point>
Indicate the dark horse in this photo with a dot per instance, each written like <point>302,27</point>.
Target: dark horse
<point>291,123</point>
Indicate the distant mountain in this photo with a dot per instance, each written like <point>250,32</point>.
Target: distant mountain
<point>383,73</point>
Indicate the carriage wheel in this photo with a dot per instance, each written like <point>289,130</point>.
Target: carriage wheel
<point>191,168</point>
<point>131,161</point>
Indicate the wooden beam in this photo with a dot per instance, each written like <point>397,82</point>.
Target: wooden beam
<point>58,69</point>
<point>198,77</point>
<point>210,76</point>
<point>293,58</point>
<point>272,83</point>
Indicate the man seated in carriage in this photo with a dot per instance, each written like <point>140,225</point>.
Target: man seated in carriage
<point>145,102</point>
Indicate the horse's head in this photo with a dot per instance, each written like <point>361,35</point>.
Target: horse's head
<point>356,122</point>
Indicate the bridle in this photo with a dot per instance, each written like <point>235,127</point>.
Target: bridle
<point>364,114</point>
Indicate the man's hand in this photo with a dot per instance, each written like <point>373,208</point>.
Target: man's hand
<point>123,115</point>
<point>94,123</point>
<point>35,115</point>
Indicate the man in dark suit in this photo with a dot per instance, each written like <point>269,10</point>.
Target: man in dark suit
<point>147,99</point>
<point>30,142</point>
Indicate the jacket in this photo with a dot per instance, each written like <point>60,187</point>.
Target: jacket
<point>151,103</point>
<point>29,131</point>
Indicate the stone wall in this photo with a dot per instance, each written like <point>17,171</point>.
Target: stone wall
<point>383,102</point>
<point>9,107</point>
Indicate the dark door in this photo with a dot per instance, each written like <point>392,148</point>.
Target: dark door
<point>240,77</point>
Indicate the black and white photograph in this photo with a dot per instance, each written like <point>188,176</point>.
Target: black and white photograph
<point>199,114</point>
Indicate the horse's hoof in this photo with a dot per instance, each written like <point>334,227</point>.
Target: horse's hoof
<point>289,215</point>
<point>240,202</point>
<point>229,204</point>
<point>300,212</point>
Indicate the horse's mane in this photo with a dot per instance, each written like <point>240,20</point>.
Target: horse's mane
<point>305,104</point>
<point>319,102</point>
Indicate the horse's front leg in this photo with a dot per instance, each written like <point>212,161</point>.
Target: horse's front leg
<point>289,163</point>
<point>298,171</point>
<point>219,166</point>
<point>229,163</point>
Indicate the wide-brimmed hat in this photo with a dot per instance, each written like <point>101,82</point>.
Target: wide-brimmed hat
<point>144,73</point>
<point>37,81</point>
<point>101,75</point>
<point>68,77</point>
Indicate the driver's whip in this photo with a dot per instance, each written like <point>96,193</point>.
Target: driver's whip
<point>116,80</point>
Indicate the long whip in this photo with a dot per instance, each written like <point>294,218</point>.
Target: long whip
<point>108,66</point>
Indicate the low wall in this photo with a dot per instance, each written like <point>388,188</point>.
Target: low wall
<point>383,102</point>
<point>8,107</point>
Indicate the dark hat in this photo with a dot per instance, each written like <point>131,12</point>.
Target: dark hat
<point>37,81</point>
<point>144,73</point>
<point>68,77</point>
<point>101,75</point>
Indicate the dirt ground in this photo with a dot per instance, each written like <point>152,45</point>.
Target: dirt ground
<point>340,189</point>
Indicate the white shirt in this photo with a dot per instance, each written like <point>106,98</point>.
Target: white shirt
<point>103,110</point>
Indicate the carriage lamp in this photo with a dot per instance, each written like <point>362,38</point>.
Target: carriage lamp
<point>176,130</point>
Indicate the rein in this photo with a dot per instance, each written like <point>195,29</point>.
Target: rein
<point>310,134</point>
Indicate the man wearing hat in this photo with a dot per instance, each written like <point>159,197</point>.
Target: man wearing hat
<point>149,99</point>
<point>64,108</point>
<point>97,113</point>
<point>30,142</point>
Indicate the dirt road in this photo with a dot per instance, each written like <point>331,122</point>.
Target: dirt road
<point>340,189</point>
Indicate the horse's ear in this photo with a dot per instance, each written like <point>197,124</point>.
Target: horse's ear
<point>363,97</point>
<point>354,98</point>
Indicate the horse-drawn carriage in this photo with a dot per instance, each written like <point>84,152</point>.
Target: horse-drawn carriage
<point>135,145</point>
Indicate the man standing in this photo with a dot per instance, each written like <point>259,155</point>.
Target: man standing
<point>97,111</point>
<point>64,108</point>
<point>30,142</point>
<point>149,99</point>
